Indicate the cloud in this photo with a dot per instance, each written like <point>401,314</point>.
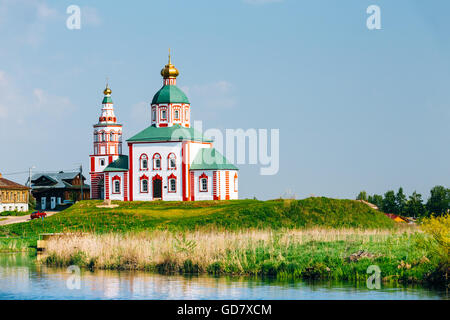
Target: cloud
<point>21,110</point>
<point>218,95</point>
<point>51,104</point>
<point>28,18</point>
<point>259,2</point>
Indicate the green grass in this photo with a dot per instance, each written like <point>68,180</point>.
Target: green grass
<point>230,215</point>
<point>17,244</point>
<point>15,213</point>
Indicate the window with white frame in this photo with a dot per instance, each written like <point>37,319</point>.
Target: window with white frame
<point>164,114</point>
<point>172,185</point>
<point>144,185</point>
<point>177,114</point>
<point>156,161</point>
<point>204,184</point>
<point>144,162</point>
<point>102,162</point>
<point>172,161</point>
<point>154,114</point>
<point>116,186</point>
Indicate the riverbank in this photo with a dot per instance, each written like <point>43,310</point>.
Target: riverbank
<point>343,254</point>
<point>23,279</point>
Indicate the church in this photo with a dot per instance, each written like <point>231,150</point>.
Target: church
<point>168,160</point>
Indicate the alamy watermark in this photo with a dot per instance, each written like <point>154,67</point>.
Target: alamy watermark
<point>252,146</point>
<point>74,280</point>
<point>73,22</point>
<point>374,281</point>
<point>374,20</point>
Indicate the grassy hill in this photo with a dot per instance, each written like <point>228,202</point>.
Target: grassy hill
<point>231,215</point>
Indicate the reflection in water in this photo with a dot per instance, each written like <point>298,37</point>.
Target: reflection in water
<point>22,278</point>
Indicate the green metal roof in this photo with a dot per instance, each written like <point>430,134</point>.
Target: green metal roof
<point>120,164</point>
<point>174,133</point>
<point>211,159</point>
<point>170,94</point>
<point>107,100</point>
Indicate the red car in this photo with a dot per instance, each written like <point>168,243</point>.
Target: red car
<point>37,214</point>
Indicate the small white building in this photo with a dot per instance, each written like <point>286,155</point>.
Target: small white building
<point>168,160</point>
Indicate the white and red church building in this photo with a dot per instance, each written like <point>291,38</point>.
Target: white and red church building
<point>168,160</point>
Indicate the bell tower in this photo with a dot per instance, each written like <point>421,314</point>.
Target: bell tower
<point>107,144</point>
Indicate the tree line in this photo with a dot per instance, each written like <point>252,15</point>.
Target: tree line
<point>413,206</point>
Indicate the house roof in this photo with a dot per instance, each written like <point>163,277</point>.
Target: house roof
<point>8,184</point>
<point>174,133</point>
<point>396,217</point>
<point>169,94</point>
<point>120,164</point>
<point>211,159</point>
<point>59,180</point>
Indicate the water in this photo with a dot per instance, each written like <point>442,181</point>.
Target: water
<point>22,278</point>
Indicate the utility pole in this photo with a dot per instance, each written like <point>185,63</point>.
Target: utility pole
<point>81,178</point>
<point>29,179</point>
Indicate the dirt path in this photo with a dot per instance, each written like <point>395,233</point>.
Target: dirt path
<point>13,219</point>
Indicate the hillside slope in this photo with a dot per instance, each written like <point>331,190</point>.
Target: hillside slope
<point>235,214</point>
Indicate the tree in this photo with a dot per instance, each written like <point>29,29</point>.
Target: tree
<point>377,200</point>
<point>362,196</point>
<point>414,206</point>
<point>389,204</point>
<point>439,201</point>
<point>400,200</point>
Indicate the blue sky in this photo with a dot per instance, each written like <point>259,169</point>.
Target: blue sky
<point>357,109</point>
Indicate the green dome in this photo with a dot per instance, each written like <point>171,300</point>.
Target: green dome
<point>170,94</point>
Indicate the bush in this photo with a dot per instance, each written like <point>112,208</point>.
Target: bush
<point>438,244</point>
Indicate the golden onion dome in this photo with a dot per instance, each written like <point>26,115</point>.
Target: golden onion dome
<point>169,70</point>
<point>107,91</point>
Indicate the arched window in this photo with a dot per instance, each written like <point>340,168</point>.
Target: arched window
<point>154,114</point>
<point>103,136</point>
<point>156,161</point>
<point>235,182</point>
<point>112,136</point>
<point>163,114</point>
<point>172,161</point>
<point>172,183</point>
<point>177,115</point>
<point>144,162</point>
<point>203,183</point>
<point>116,184</point>
<point>144,184</point>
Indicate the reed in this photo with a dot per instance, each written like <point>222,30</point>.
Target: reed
<point>304,253</point>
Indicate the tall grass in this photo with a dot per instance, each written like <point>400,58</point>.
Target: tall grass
<point>14,244</point>
<point>312,253</point>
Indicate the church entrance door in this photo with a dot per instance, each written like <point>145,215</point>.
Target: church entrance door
<point>157,187</point>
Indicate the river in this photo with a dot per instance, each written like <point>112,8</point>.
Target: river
<point>22,278</point>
